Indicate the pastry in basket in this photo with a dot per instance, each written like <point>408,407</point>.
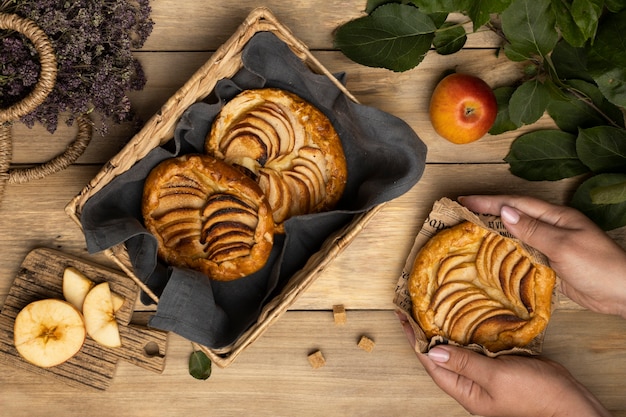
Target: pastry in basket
<point>471,285</point>
<point>287,145</point>
<point>208,216</point>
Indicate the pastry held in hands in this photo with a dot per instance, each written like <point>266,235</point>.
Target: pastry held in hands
<point>471,285</point>
<point>287,145</point>
<point>208,216</point>
<point>48,332</point>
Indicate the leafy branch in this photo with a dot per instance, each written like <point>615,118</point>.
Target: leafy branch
<point>575,71</point>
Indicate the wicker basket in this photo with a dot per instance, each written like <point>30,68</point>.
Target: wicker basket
<point>36,97</point>
<point>224,63</point>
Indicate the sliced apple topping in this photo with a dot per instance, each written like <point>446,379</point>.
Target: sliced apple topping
<point>247,141</point>
<point>48,332</point>
<point>229,228</point>
<point>450,263</point>
<point>285,144</point>
<point>277,192</point>
<point>471,285</point>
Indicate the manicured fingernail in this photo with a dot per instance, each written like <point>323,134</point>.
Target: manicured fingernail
<point>509,215</point>
<point>439,354</point>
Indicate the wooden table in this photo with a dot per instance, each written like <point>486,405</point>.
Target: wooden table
<point>273,376</point>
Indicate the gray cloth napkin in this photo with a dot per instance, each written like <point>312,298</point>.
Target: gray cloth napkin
<point>385,159</point>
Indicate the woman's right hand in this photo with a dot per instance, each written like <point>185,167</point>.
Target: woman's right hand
<point>591,265</point>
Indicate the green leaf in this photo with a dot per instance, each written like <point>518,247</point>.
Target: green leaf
<point>513,54</point>
<point>199,365</point>
<point>570,62</point>
<point>480,10</point>
<point>586,14</point>
<point>609,194</point>
<point>583,106</point>
<point>529,26</point>
<point>450,38</point>
<point>446,6</point>
<point>615,6</point>
<point>566,23</point>
<point>438,18</point>
<point>528,102</point>
<point>393,36</point>
<point>602,148</point>
<point>545,155</point>
<point>503,121</point>
<point>607,216</point>
<point>373,4</point>
<point>606,58</point>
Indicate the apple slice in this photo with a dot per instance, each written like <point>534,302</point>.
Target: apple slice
<point>48,332</point>
<point>76,286</point>
<point>117,301</point>
<point>99,315</point>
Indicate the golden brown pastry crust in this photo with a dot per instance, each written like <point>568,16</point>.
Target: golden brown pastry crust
<point>471,285</point>
<point>208,216</point>
<point>287,145</point>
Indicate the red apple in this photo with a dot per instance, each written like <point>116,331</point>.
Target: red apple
<point>462,108</point>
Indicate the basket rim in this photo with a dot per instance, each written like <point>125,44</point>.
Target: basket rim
<point>47,59</point>
<point>225,62</point>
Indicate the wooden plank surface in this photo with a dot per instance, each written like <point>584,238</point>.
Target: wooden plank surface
<point>273,377</point>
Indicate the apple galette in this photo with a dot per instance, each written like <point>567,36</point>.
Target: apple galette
<point>287,145</point>
<point>208,216</point>
<point>471,285</point>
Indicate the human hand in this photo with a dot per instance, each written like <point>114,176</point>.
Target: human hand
<point>591,265</point>
<point>506,386</point>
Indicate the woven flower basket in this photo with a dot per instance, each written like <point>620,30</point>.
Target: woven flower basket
<point>42,89</point>
<point>224,63</point>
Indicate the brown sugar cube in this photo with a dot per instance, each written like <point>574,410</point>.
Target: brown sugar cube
<point>316,359</point>
<point>366,344</point>
<point>339,313</point>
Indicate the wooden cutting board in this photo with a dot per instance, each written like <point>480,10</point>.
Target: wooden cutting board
<point>41,276</point>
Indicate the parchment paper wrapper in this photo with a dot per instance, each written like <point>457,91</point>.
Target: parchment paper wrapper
<point>447,213</point>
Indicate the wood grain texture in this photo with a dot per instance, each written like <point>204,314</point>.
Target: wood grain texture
<point>273,377</point>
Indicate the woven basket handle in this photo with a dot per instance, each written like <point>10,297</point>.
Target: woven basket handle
<point>19,176</point>
<point>45,84</point>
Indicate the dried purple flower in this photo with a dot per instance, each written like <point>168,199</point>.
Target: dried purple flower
<point>93,42</point>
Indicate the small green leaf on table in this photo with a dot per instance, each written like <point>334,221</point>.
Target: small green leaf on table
<point>199,365</point>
